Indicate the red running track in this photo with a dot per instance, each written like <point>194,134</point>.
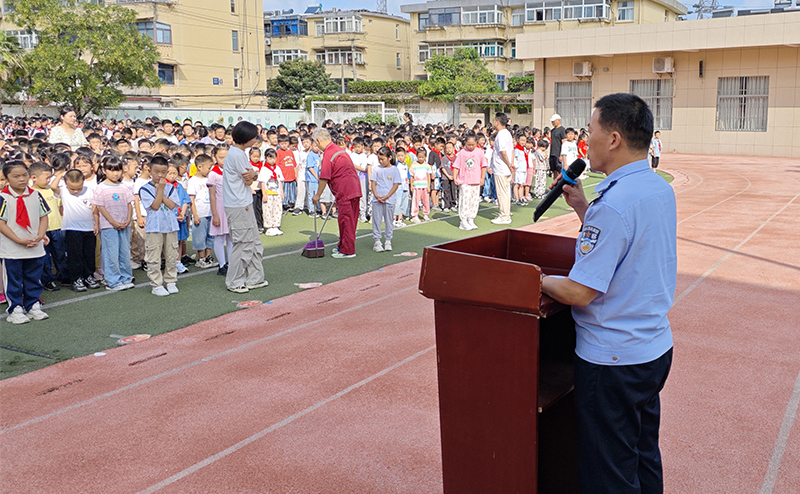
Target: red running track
<point>334,389</point>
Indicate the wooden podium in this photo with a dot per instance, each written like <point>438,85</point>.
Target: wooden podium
<point>505,363</point>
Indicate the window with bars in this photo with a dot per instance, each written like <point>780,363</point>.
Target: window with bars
<point>742,103</point>
<point>657,93</point>
<point>574,103</point>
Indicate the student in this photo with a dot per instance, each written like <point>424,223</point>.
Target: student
<point>312,177</point>
<point>79,229</point>
<point>55,257</point>
<point>255,162</point>
<point>184,201</point>
<point>421,174</point>
<point>448,185</point>
<point>270,181</point>
<point>402,204</point>
<point>521,170</point>
<point>161,229</point>
<point>198,192</point>
<point>23,235</point>
<point>542,167</point>
<point>140,213</point>
<point>113,214</point>
<point>569,149</point>
<point>245,271</point>
<point>469,174</point>
<point>655,150</point>
<point>383,183</point>
<point>289,168</point>
<point>219,222</point>
<point>300,159</point>
<point>359,158</point>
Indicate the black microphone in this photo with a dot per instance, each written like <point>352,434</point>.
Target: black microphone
<point>569,176</point>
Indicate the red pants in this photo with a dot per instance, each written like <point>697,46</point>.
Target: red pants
<point>348,220</point>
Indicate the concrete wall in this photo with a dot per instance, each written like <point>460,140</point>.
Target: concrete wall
<point>265,118</point>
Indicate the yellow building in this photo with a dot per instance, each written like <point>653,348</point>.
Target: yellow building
<point>491,27</point>
<point>716,86</point>
<point>212,52</point>
<point>355,44</point>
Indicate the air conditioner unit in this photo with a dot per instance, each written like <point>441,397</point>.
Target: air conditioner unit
<point>267,41</point>
<point>663,65</point>
<point>582,69</point>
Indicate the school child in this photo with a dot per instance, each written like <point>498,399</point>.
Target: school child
<point>299,158</point>
<point>246,271</point>
<point>372,146</point>
<point>435,161</point>
<point>270,180</point>
<point>255,162</point>
<point>384,182</point>
<point>521,165</point>
<point>542,167</point>
<point>289,168</point>
<point>655,150</point>
<point>583,151</point>
<point>449,194</point>
<point>161,229</point>
<point>23,233</point>
<point>184,201</point>
<point>41,173</point>
<point>569,149</point>
<point>3,185</point>
<point>421,174</point>
<point>402,204</point>
<point>469,173</point>
<point>359,158</point>
<point>113,214</point>
<point>198,192</point>
<point>79,229</point>
<point>312,177</point>
<point>137,228</point>
<point>219,222</point>
<point>530,147</point>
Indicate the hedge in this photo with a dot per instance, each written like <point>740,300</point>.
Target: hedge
<point>520,84</point>
<point>383,87</point>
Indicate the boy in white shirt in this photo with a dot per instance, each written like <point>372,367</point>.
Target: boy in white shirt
<point>201,212</point>
<point>359,158</point>
<point>569,150</point>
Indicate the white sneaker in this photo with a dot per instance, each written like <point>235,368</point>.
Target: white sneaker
<point>128,286</point>
<point>211,262</point>
<point>415,220</point>
<point>257,285</point>
<point>117,288</point>
<point>201,264</point>
<point>36,313</point>
<point>135,265</point>
<point>18,316</point>
<point>278,231</point>
<point>499,221</point>
<point>181,268</point>
<point>377,247</point>
<point>172,288</point>
<point>388,246</point>
<point>472,225</point>
<point>238,289</point>
<point>271,232</point>
<point>463,226</point>
<point>159,291</point>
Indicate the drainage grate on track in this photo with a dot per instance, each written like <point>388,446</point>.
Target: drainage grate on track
<point>56,388</point>
<point>226,333</point>
<point>147,359</point>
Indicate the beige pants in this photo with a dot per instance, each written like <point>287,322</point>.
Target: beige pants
<point>137,243</point>
<point>469,199</point>
<point>503,186</point>
<point>154,244</point>
<point>245,266</point>
<point>272,210</point>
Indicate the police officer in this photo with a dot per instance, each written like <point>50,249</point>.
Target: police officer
<point>621,287</point>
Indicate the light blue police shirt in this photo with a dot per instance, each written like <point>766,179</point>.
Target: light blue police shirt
<point>627,252</point>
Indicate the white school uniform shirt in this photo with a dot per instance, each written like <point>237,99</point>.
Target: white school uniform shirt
<point>570,151</point>
<point>78,214</point>
<point>202,198</point>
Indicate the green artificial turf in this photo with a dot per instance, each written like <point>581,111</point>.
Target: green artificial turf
<point>81,323</point>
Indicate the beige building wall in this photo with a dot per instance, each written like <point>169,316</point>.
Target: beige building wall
<point>382,39</point>
<point>763,45</point>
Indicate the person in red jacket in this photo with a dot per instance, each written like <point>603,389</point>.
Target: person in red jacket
<point>338,172</point>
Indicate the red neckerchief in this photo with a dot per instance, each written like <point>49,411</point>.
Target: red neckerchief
<point>437,152</point>
<point>272,169</point>
<point>174,184</point>
<point>217,169</point>
<point>452,159</point>
<point>23,219</point>
<point>256,164</point>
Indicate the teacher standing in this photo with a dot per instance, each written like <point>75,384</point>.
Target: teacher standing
<point>67,132</point>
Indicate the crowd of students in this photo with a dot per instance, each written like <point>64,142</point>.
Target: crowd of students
<point>83,206</point>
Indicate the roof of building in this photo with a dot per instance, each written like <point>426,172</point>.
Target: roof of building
<point>672,5</point>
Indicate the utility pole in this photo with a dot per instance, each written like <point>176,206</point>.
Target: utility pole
<point>352,59</point>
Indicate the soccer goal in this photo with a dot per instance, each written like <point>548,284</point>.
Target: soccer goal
<point>339,111</point>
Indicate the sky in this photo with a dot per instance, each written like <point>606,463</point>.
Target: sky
<point>394,5</point>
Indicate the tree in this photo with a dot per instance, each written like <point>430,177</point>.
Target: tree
<point>297,79</point>
<point>461,73</point>
<point>10,64</point>
<point>86,53</point>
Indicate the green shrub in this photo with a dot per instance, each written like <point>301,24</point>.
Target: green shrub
<point>383,87</point>
<point>520,84</point>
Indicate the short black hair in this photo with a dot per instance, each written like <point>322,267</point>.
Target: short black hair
<point>203,159</point>
<point>73,176</point>
<point>10,165</point>
<point>570,129</point>
<point>502,118</point>
<point>39,167</point>
<point>159,160</point>
<point>283,138</point>
<point>629,115</point>
<point>244,132</point>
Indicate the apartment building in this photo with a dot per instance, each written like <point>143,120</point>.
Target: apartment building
<point>492,26</point>
<point>353,45</point>
<point>716,86</point>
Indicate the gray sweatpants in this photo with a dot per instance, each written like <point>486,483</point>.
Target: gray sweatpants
<point>382,211</point>
<point>364,204</point>
<point>245,264</point>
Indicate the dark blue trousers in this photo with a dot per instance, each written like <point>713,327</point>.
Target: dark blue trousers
<point>618,415</point>
<point>55,255</point>
<point>24,285</point>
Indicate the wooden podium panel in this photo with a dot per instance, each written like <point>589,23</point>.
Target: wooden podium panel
<point>504,363</point>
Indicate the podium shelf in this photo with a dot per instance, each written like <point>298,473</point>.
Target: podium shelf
<point>556,380</point>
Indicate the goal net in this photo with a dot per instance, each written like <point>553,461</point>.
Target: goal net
<point>339,111</point>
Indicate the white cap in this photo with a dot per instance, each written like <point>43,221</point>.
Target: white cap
<point>555,117</point>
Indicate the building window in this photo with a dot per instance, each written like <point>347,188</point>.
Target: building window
<point>625,11</point>
<point>491,14</point>
<point>289,27</point>
<point>343,25</point>
<point>742,103</point>
<point>157,31</point>
<point>547,10</point>
<point>398,59</point>
<point>440,17</point>
<point>486,49</point>
<point>338,57</point>
<point>424,20</point>
<point>574,103</point>
<point>26,40</point>
<point>233,6</point>
<point>501,82</point>
<point>586,9</point>
<point>166,73</point>
<point>280,56</point>
<point>235,40</point>
<point>424,53</point>
<point>236,78</point>
<point>657,93</point>
<point>517,17</point>
<point>320,28</point>
<point>666,15</point>
<point>397,31</point>
<point>513,49</point>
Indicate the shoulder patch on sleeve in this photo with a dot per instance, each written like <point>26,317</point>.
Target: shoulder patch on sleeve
<point>588,239</point>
